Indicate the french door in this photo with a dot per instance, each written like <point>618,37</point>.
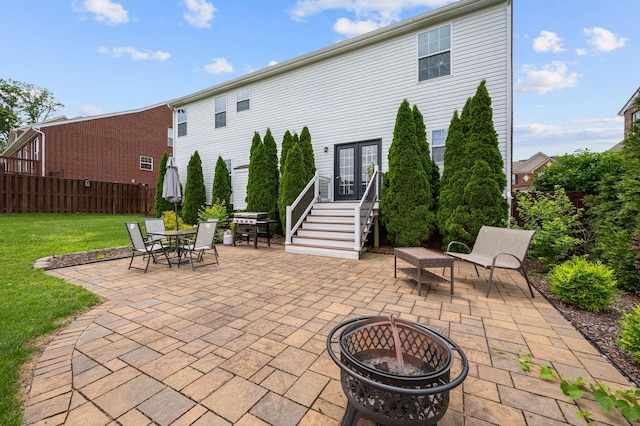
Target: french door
<point>351,163</point>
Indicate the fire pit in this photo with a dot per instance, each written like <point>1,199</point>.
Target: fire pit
<point>394,372</point>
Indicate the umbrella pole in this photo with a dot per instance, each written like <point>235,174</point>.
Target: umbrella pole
<point>175,207</point>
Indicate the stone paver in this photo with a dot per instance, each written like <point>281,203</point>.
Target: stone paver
<point>244,342</point>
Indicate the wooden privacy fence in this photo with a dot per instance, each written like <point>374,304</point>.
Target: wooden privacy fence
<point>20,193</point>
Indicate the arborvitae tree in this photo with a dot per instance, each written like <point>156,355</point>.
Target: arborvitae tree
<point>195,193</point>
<point>307,153</point>
<point>255,142</point>
<point>161,205</point>
<point>262,194</point>
<point>450,197</point>
<point>254,171</point>
<point>287,142</point>
<point>429,166</point>
<point>221,188</point>
<point>403,206</point>
<point>292,180</point>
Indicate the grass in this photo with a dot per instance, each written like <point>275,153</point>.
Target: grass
<point>33,304</point>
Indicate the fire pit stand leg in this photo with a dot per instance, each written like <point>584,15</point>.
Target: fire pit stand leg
<point>351,416</point>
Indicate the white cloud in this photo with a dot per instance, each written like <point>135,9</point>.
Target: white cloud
<point>104,11</point>
<point>548,41</point>
<point>88,110</point>
<point>553,76</point>
<point>581,52</point>
<point>135,54</point>
<point>273,63</point>
<point>604,40</point>
<point>369,14</point>
<point>218,66</point>
<point>199,13</point>
<point>349,28</point>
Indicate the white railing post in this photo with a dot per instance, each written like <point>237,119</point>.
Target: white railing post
<point>376,174</point>
<point>316,193</point>
<point>288,230</point>
<point>356,245</point>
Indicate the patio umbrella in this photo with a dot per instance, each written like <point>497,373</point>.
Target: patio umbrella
<point>171,186</point>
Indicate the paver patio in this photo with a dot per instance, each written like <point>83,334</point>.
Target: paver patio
<point>243,343</point>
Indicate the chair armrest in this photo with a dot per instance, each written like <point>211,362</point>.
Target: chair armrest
<point>459,243</point>
<point>493,262</point>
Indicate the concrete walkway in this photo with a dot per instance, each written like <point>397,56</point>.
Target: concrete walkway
<point>243,343</point>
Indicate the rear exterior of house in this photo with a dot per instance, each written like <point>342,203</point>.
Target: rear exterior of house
<point>523,172</point>
<point>123,147</point>
<point>348,95</point>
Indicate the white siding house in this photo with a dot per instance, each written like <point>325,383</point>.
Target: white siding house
<point>348,94</point>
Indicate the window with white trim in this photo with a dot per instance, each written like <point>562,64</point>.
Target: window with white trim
<point>146,163</point>
<point>438,140</point>
<point>182,122</point>
<point>170,138</point>
<point>242,99</point>
<point>221,111</point>
<point>434,53</point>
<point>635,116</point>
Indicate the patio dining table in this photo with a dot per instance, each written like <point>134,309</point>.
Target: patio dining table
<point>172,236</point>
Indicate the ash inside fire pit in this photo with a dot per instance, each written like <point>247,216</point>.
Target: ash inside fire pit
<point>388,363</point>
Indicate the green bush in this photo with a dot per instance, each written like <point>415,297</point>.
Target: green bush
<point>556,222</point>
<point>583,284</point>
<point>217,210</point>
<point>169,218</point>
<point>630,333</point>
<point>221,187</point>
<point>195,193</point>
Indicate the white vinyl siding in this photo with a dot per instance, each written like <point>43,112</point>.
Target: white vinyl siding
<point>355,96</point>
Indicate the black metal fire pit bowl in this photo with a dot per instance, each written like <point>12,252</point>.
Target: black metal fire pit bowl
<point>394,372</point>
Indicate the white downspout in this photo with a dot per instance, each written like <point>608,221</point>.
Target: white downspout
<point>43,150</point>
<point>509,132</point>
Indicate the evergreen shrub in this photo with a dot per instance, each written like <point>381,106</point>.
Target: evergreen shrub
<point>630,333</point>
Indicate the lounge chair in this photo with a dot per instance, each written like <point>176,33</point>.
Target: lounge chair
<point>140,246</point>
<point>205,240</point>
<point>497,248</point>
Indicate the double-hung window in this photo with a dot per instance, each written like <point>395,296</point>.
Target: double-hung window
<point>434,53</point>
<point>438,139</point>
<point>170,137</point>
<point>182,122</point>
<point>221,111</point>
<point>146,163</point>
<point>242,99</point>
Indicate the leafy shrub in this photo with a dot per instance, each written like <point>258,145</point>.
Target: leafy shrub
<point>556,222</point>
<point>169,218</point>
<point>630,333</point>
<point>218,210</point>
<point>583,284</point>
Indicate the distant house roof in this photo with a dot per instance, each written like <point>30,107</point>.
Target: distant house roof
<point>630,102</point>
<point>533,164</point>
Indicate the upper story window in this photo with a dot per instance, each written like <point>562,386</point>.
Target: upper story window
<point>434,53</point>
<point>182,122</point>
<point>146,163</point>
<point>221,111</point>
<point>635,116</point>
<point>438,139</point>
<point>242,99</point>
<point>170,138</point>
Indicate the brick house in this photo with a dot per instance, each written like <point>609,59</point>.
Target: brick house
<point>524,171</point>
<point>630,113</point>
<point>122,147</point>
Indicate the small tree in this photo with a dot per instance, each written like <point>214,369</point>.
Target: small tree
<point>307,153</point>
<point>161,205</point>
<point>262,193</point>
<point>221,188</point>
<point>287,143</point>
<point>404,203</point>
<point>450,191</point>
<point>292,182</point>
<point>429,166</point>
<point>254,172</point>
<point>195,193</point>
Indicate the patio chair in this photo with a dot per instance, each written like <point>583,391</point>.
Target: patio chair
<point>154,225</point>
<point>205,240</point>
<point>144,248</point>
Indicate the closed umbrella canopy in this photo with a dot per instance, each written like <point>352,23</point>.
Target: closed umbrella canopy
<point>171,186</point>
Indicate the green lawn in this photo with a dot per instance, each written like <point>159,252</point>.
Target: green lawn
<point>33,304</point>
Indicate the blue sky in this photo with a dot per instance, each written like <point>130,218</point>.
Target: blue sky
<point>574,61</point>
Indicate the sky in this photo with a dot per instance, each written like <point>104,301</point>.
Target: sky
<point>573,61</point>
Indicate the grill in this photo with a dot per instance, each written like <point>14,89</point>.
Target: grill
<point>249,218</point>
<point>394,372</point>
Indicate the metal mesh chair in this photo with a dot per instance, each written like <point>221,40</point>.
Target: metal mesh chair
<point>154,225</point>
<point>141,247</point>
<point>204,241</point>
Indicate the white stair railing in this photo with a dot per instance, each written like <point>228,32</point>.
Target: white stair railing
<point>317,189</point>
<point>362,212</point>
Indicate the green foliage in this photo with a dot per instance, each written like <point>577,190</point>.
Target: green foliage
<point>169,218</point>
<point>429,166</point>
<point>583,284</point>
<point>195,193</point>
<point>580,171</point>
<point>287,143</point>
<point>292,182</point>
<point>22,104</point>
<point>262,188</point>
<point>556,222</point>
<point>629,337</point>
<point>217,210</point>
<point>307,153</point>
<point>221,188</point>
<point>160,203</point>
<point>406,206</point>
<point>474,164</point>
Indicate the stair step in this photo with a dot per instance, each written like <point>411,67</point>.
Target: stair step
<point>329,219</point>
<point>332,212</point>
<point>326,234</point>
<point>320,226</point>
<point>323,242</point>
<point>323,251</point>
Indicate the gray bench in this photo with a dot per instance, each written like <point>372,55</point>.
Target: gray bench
<point>497,248</point>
